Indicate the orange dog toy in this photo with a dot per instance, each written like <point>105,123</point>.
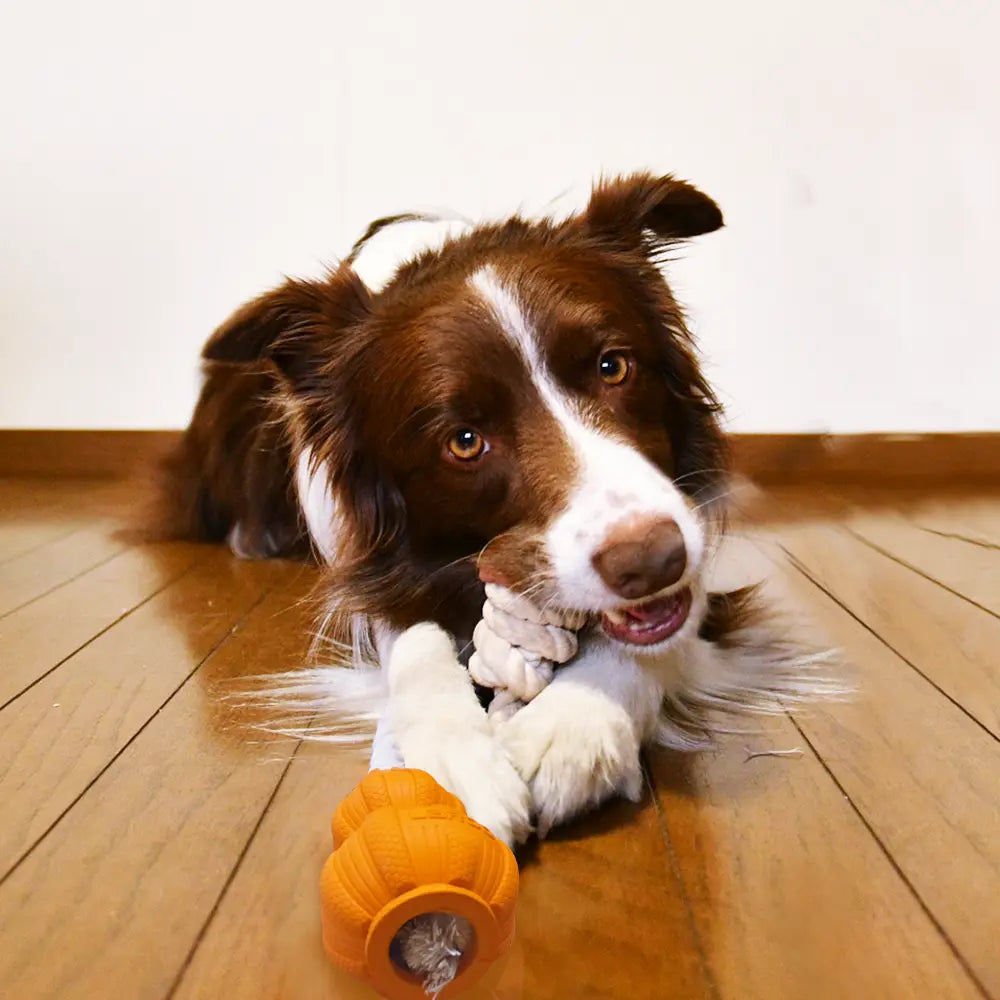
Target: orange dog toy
<point>405,850</point>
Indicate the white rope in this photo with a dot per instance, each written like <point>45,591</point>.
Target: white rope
<point>518,645</point>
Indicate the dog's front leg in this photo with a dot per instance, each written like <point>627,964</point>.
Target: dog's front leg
<point>440,727</point>
<point>577,744</point>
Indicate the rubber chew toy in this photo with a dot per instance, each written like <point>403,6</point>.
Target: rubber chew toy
<point>412,874</point>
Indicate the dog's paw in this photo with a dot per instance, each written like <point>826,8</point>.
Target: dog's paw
<point>493,792</point>
<point>575,748</point>
<point>475,767</point>
<point>440,727</point>
<point>420,653</point>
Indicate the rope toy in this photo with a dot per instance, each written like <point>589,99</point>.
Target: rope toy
<point>418,899</point>
<point>517,648</point>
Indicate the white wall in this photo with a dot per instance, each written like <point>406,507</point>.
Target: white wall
<point>162,161</point>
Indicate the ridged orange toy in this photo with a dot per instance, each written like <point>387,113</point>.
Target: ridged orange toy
<point>403,847</point>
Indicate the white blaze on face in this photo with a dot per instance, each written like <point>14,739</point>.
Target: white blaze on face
<point>613,481</point>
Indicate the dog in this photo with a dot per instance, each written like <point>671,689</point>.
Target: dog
<point>523,406</point>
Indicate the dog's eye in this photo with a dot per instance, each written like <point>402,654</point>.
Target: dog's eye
<point>467,445</point>
<point>614,367</point>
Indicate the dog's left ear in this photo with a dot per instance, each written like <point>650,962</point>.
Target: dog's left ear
<point>627,208</point>
<point>296,326</point>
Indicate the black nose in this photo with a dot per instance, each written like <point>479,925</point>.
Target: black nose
<point>642,557</point>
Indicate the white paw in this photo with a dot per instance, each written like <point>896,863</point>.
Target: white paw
<point>440,727</point>
<point>421,651</point>
<point>475,767</point>
<point>575,748</point>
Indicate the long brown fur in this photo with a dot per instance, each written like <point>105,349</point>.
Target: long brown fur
<point>369,383</point>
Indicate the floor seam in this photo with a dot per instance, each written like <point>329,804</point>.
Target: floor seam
<point>159,590</point>
<point>128,743</point>
<point>231,877</point>
<point>40,545</point>
<point>803,569</point>
<point>979,542</point>
<point>900,561</point>
<point>706,968</point>
<point>959,957</point>
<point>63,583</point>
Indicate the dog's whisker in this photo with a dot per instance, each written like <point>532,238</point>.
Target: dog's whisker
<point>712,500</point>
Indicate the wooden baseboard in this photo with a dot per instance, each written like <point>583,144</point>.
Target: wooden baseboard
<point>868,459</point>
<point>82,454</point>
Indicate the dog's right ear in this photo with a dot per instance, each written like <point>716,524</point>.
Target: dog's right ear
<point>292,325</point>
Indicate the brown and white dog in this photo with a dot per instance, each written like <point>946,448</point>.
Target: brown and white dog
<point>522,405</point>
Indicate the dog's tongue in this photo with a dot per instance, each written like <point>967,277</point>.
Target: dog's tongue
<point>650,622</point>
<point>652,611</point>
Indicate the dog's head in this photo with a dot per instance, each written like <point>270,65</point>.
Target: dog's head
<point>522,406</point>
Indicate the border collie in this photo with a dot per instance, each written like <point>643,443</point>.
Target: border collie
<point>521,406</point>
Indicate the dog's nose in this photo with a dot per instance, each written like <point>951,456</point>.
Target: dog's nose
<point>642,557</point>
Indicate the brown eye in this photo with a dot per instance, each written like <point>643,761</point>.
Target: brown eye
<point>614,367</point>
<point>466,445</point>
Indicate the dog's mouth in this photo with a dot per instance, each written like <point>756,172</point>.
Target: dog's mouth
<point>648,622</point>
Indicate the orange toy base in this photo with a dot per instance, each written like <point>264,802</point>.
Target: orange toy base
<point>403,847</point>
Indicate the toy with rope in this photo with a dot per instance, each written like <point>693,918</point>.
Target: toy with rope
<point>417,898</point>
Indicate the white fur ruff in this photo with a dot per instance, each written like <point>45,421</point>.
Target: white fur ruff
<point>577,742</point>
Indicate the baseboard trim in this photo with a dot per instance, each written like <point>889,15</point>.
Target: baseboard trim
<point>869,459</point>
<point>789,459</point>
<point>82,454</point>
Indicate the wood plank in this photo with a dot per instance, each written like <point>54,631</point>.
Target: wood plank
<point>20,537</point>
<point>950,641</point>
<point>921,774</point>
<point>789,890</point>
<point>783,505</point>
<point>112,899</point>
<point>83,608</point>
<point>75,502</point>
<point>32,574</point>
<point>974,518</point>
<point>59,735</point>
<point>969,569</point>
<point>30,500</point>
<point>606,881</point>
<point>263,943</point>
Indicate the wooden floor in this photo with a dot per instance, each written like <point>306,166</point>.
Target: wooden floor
<point>153,845</point>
